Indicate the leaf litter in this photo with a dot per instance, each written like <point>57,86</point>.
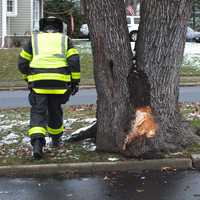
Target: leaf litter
<point>15,145</point>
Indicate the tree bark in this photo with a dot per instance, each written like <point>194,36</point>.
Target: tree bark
<point>123,87</point>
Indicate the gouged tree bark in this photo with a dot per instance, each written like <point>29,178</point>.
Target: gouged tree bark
<point>123,87</point>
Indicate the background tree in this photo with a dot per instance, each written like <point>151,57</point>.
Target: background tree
<point>195,18</point>
<point>153,81</point>
<point>65,9</point>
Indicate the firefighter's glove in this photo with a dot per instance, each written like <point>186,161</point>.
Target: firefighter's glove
<point>74,88</point>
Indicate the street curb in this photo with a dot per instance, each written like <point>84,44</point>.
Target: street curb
<point>88,87</point>
<point>95,167</point>
<point>25,88</point>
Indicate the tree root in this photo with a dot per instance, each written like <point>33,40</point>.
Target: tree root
<point>89,133</point>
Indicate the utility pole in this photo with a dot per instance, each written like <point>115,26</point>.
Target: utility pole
<point>4,22</point>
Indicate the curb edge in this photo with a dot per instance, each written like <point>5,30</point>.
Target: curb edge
<point>94,167</point>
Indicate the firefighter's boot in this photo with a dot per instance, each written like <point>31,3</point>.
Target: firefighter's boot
<point>37,149</point>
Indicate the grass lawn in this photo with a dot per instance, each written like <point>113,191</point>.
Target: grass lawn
<point>188,70</point>
<point>15,146</point>
<point>10,76</point>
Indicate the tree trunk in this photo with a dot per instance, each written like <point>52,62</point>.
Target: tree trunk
<point>112,61</point>
<point>123,87</point>
<point>160,49</point>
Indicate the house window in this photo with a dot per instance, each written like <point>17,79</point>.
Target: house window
<point>11,8</point>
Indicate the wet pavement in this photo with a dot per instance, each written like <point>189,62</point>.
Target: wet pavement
<point>15,99</point>
<point>183,185</point>
<point>189,94</point>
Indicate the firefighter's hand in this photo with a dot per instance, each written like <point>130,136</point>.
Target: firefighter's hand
<point>74,88</point>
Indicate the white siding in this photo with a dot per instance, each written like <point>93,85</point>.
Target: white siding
<point>0,18</point>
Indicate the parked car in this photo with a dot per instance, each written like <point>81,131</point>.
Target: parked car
<point>132,22</point>
<point>84,31</point>
<point>192,36</point>
<point>133,25</point>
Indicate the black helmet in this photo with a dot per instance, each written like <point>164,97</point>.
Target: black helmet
<point>52,23</point>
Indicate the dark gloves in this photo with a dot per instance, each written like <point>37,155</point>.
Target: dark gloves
<point>74,88</point>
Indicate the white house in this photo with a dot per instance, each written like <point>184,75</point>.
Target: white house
<point>19,18</point>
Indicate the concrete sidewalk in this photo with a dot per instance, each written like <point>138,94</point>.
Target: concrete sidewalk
<point>172,164</point>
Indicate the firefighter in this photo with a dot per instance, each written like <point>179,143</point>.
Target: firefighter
<point>50,65</point>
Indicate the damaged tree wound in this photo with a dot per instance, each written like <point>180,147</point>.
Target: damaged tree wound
<point>144,125</point>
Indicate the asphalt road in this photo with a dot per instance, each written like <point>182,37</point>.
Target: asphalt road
<point>182,185</point>
<point>189,94</point>
<point>14,99</point>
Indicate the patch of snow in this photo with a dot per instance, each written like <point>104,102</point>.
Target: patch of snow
<point>10,139</point>
<point>8,142</point>
<point>9,124</point>
<point>69,122</point>
<point>113,159</point>
<point>192,61</point>
<point>192,48</point>
<point>23,122</point>
<point>11,152</point>
<point>192,55</point>
<point>11,136</point>
<point>68,151</point>
<point>89,120</point>
<point>82,129</point>
<point>76,157</point>
<point>88,145</point>
<point>5,127</point>
<point>5,121</point>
